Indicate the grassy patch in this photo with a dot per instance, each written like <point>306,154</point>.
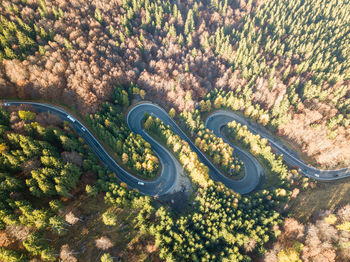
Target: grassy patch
<point>327,195</point>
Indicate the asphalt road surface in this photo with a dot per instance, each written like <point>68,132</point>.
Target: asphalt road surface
<point>253,170</point>
<point>169,172</point>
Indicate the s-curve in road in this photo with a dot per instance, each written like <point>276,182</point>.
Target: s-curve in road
<point>220,118</point>
<point>253,170</point>
<point>160,186</point>
<point>164,183</point>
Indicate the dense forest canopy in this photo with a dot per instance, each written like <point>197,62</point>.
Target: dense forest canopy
<point>222,225</point>
<point>47,173</point>
<point>220,153</point>
<point>132,151</point>
<point>283,64</point>
<point>325,239</point>
<point>41,162</point>
<point>44,167</point>
<point>275,54</point>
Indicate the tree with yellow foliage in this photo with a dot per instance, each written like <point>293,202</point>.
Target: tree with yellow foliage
<point>142,93</point>
<point>172,112</point>
<point>3,148</point>
<point>26,115</point>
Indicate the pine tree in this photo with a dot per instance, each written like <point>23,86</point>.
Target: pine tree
<point>109,218</point>
<point>172,112</point>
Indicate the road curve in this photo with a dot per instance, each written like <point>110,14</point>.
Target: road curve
<point>222,117</point>
<point>160,186</point>
<point>253,170</point>
<point>169,173</point>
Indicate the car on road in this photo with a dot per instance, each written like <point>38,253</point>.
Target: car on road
<point>335,175</point>
<point>83,129</point>
<point>71,118</point>
<point>6,104</point>
<point>317,175</point>
<point>140,183</point>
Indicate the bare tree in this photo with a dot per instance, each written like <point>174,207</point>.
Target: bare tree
<point>67,255</point>
<point>30,165</point>
<point>344,213</point>
<point>71,218</point>
<point>72,157</point>
<point>293,230</point>
<point>19,232</point>
<point>104,243</point>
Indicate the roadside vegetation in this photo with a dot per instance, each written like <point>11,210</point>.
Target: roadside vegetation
<point>219,152</point>
<point>318,224</point>
<point>50,210</point>
<point>258,147</point>
<point>221,224</point>
<point>132,151</point>
<point>52,190</point>
<point>41,163</point>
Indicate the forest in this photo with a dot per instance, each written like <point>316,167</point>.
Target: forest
<point>284,65</point>
<point>132,150</point>
<point>327,239</point>
<point>290,59</point>
<point>220,153</point>
<point>42,158</point>
<point>213,231</point>
<point>44,168</point>
<point>41,162</point>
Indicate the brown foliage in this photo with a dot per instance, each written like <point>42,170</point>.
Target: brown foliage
<point>18,232</point>
<point>293,230</point>
<point>5,240</point>
<point>71,218</point>
<point>85,76</point>
<point>344,213</point>
<point>250,245</point>
<point>104,243</point>
<point>30,165</point>
<point>66,254</point>
<point>72,157</point>
<point>48,119</point>
<point>322,241</point>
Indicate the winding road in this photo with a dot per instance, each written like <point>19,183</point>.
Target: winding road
<point>253,170</point>
<point>222,117</point>
<point>164,183</point>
